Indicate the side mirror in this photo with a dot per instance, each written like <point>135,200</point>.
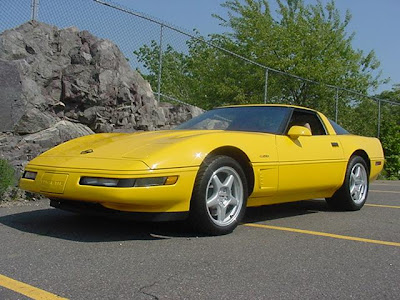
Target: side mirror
<point>296,131</point>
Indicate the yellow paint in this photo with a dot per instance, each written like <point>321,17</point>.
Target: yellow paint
<point>165,198</point>
<point>336,236</point>
<point>27,290</point>
<point>309,167</point>
<point>380,191</point>
<point>296,131</point>
<point>285,169</point>
<point>380,205</point>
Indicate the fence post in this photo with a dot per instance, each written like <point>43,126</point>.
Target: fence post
<point>160,60</point>
<point>337,105</point>
<point>35,9</point>
<point>266,86</point>
<point>379,118</point>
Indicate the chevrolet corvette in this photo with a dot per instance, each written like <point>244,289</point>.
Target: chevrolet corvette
<point>211,168</point>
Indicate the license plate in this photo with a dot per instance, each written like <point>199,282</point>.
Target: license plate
<point>53,183</point>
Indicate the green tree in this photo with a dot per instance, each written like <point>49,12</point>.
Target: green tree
<point>390,132</point>
<point>176,77</point>
<point>305,40</point>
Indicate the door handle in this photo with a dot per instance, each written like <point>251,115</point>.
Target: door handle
<point>335,144</point>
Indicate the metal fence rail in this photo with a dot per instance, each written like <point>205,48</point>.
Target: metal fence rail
<point>130,30</point>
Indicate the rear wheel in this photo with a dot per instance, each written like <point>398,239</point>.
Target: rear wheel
<point>219,196</point>
<point>354,191</point>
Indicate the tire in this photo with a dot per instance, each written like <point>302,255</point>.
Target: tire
<point>219,196</point>
<point>354,191</point>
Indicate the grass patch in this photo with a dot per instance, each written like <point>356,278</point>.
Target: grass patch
<point>7,176</point>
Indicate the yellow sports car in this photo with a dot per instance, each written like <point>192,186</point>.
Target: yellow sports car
<point>211,167</point>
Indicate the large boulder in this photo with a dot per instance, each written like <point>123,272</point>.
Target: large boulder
<point>57,84</point>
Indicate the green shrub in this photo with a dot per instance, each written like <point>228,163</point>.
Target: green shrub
<point>6,176</point>
<point>390,139</point>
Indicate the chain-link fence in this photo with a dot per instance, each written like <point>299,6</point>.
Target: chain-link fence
<point>162,52</point>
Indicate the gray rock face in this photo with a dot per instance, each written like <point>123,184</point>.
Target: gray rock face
<point>57,84</point>
<point>11,110</point>
<point>61,131</point>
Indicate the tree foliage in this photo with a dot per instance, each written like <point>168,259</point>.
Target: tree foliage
<point>305,40</point>
<point>390,132</point>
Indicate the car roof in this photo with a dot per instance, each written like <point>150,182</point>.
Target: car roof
<point>270,105</point>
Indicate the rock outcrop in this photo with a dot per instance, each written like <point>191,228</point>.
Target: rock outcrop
<point>58,84</point>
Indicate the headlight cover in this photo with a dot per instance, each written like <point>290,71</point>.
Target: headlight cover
<point>128,182</point>
<point>97,181</point>
<point>29,175</point>
<point>152,181</point>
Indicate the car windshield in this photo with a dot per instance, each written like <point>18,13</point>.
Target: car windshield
<point>270,119</point>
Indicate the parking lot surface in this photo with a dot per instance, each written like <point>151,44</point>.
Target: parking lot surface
<point>290,251</point>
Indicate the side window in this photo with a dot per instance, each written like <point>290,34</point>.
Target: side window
<point>309,120</point>
<point>338,129</point>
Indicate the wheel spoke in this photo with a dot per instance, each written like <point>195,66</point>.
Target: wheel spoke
<point>221,212</point>
<point>229,182</point>
<point>359,176</point>
<point>356,195</point>
<point>212,201</point>
<point>352,187</point>
<point>361,191</point>
<point>233,201</point>
<point>216,182</point>
<point>357,172</point>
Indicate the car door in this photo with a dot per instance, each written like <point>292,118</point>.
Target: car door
<point>311,164</point>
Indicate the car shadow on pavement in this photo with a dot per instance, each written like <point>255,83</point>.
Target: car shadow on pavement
<point>69,226</point>
<point>81,228</point>
<point>285,210</point>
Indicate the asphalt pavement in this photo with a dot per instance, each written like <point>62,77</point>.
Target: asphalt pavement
<point>290,251</point>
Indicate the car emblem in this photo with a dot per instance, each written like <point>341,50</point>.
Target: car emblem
<point>87,151</point>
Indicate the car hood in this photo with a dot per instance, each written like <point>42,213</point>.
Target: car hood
<point>116,150</point>
<point>121,145</point>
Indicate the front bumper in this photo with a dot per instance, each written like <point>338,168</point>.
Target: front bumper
<point>63,184</point>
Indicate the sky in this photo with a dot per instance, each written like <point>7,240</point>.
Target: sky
<point>376,24</point>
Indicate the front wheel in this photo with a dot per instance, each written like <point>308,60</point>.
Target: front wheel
<point>354,191</point>
<point>219,196</point>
